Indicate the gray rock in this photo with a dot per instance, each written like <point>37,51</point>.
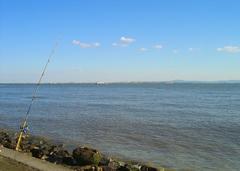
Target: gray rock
<point>57,154</point>
<point>88,168</point>
<point>6,140</point>
<point>107,168</point>
<point>104,161</point>
<point>148,168</point>
<point>37,152</point>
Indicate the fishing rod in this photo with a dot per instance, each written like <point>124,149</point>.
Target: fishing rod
<point>23,126</point>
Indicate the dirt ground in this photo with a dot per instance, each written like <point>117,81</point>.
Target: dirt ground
<point>11,165</point>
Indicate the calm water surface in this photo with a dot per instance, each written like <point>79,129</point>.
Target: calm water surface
<point>184,126</point>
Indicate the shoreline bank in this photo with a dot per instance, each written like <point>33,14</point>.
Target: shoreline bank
<point>12,160</point>
<point>37,150</point>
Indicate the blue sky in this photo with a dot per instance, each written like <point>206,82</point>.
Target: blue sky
<point>147,40</point>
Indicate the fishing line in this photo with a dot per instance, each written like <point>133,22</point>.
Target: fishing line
<point>23,127</point>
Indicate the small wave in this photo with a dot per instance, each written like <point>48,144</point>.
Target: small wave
<point>36,97</point>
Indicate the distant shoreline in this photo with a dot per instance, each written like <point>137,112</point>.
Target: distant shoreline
<point>139,82</point>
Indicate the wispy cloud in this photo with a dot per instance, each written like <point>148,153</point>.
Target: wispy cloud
<point>229,49</point>
<point>191,49</point>
<point>124,41</point>
<point>116,44</point>
<point>158,46</point>
<point>143,49</point>
<point>85,45</point>
<point>76,42</point>
<point>175,51</point>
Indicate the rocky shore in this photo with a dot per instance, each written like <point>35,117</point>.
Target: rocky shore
<point>80,159</point>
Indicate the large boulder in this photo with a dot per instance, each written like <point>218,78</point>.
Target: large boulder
<point>86,156</point>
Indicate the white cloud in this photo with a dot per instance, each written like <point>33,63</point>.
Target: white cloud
<point>229,49</point>
<point>143,49</point>
<point>158,46</point>
<point>85,45</point>
<point>124,41</point>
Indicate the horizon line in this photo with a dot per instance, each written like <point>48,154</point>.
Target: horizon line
<point>115,82</point>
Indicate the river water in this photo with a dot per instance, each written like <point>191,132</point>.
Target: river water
<point>180,125</point>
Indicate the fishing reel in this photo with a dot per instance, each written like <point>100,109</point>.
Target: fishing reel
<point>24,129</point>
